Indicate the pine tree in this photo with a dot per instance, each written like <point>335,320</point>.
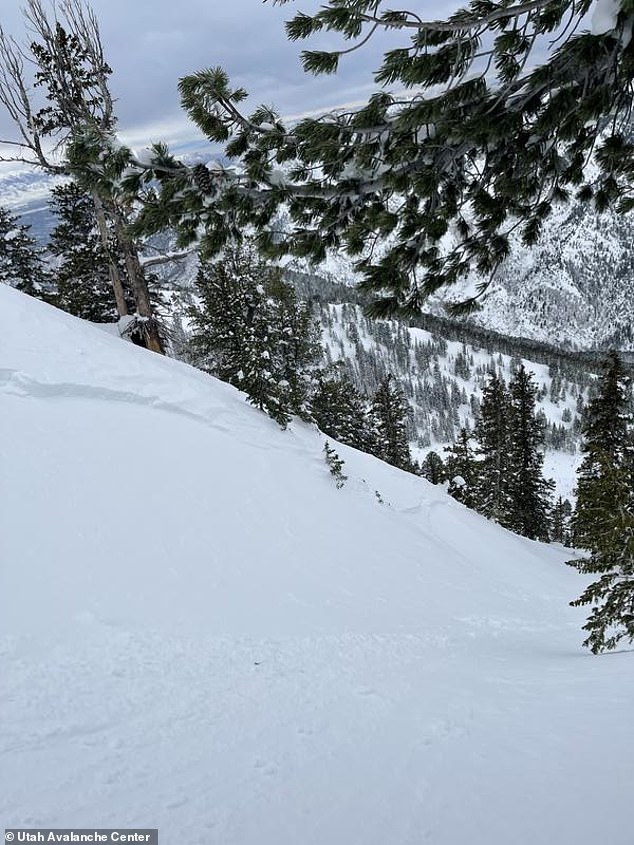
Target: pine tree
<point>461,469</point>
<point>21,259</point>
<point>57,94</point>
<point>606,443</point>
<point>487,140</point>
<point>82,272</point>
<point>612,559</point>
<point>340,411</point>
<point>560,522</point>
<point>433,469</point>
<point>251,331</point>
<point>461,364</point>
<point>233,328</point>
<point>492,439</point>
<point>389,411</point>
<point>335,465</point>
<point>299,347</point>
<point>528,491</point>
<point>604,518</point>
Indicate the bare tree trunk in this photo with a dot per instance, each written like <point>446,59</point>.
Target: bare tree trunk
<point>70,64</point>
<point>138,281</point>
<point>115,275</point>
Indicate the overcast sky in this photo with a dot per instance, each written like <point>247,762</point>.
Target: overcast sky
<point>150,44</point>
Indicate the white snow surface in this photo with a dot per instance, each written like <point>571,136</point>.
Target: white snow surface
<point>199,632</point>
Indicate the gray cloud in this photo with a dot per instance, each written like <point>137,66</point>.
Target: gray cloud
<point>150,44</point>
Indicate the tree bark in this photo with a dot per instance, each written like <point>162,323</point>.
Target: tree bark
<point>115,275</point>
<point>138,281</point>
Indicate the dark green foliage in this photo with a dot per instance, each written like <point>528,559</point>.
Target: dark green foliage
<point>73,73</point>
<point>528,491</point>
<point>251,331</point>
<point>232,331</point>
<point>604,518</point>
<point>340,411</point>
<point>612,559</point>
<point>21,260</point>
<point>298,349</point>
<point>560,531</point>
<point>508,484</point>
<point>66,60</point>
<point>389,411</point>
<point>607,443</point>
<point>461,365</point>
<point>433,469</point>
<point>482,141</point>
<point>82,277</point>
<point>335,465</point>
<point>492,435</point>
<point>461,469</point>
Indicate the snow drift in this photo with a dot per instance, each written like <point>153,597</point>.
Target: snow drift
<point>200,633</point>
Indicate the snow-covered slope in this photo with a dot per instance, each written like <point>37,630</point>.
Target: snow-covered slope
<point>573,287</point>
<point>201,633</point>
<point>443,380</point>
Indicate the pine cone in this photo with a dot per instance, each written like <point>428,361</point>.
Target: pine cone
<point>202,178</point>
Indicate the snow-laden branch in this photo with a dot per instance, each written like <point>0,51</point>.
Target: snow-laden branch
<point>166,258</point>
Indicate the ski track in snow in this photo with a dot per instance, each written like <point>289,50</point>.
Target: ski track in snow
<point>200,633</point>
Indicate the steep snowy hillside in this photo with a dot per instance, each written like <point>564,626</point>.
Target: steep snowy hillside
<point>573,287</point>
<point>201,633</point>
<point>443,380</point>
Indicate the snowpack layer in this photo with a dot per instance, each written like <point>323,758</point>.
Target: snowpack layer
<point>200,633</point>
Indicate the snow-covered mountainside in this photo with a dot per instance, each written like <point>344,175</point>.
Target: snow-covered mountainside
<point>201,633</point>
<point>442,381</point>
<point>574,287</point>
